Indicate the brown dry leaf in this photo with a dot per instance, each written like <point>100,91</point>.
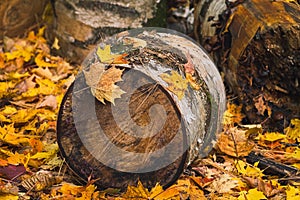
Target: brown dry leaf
<point>49,102</point>
<point>223,184</point>
<point>232,115</point>
<point>176,83</point>
<point>234,142</point>
<point>92,77</point>
<point>261,106</point>
<point>102,82</point>
<point>189,66</point>
<point>106,57</point>
<point>43,72</point>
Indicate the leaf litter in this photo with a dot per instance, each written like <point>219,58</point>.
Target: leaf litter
<point>32,84</point>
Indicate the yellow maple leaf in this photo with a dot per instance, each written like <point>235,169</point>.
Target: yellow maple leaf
<point>9,110</point>
<point>70,191</point>
<point>248,170</point>
<point>9,196</point>
<point>293,131</point>
<point>232,114</point>
<point>137,192</point>
<point>155,191</point>
<point>17,75</point>
<point>271,136</point>
<point>105,56</point>
<point>40,61</point>
<point>23,115</point>
<point>251,194</point>
<point>176,83</point>
<point>8,135</point>
<point>295,153</point>
<point>292,192</point>
<point>49,151</point>
<point>16,158</point>
<point>102,82</point>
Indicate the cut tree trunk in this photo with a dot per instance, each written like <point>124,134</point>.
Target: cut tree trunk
<point>18,16</point>
<point>257,46</point>
<point>80,25</point>
<point>160,125</point>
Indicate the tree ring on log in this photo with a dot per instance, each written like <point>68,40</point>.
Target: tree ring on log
<point>164,119</point>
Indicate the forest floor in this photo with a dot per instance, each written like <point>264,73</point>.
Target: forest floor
<point>32,85</point>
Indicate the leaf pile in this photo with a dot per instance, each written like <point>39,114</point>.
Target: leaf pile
<point>32,84</point>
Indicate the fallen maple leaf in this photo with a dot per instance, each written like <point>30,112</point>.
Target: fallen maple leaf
<point>232,115</point>
<point>49,102</point>
<point>293,131</point>
<point>176,83</point>
<point>235,142</point>
<point>248,170</point>
<point>251,194</point>
<point>136,192</point>
<point>292,192</point>
<point>102,82</point>
<point>93,75</point>
<point>261,106</point>
<point>223,184</point>
<point>106,57</point>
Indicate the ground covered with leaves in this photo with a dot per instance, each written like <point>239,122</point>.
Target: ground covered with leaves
<point>32,85</point>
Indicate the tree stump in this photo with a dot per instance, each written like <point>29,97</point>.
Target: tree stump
<point>257,46</point>
<point>168,115</point>
<point>18,16</point>
<point>80,25</point>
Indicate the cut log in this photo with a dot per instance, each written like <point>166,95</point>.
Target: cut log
<point>18,16</point>
<point>257,46</point>
<point>80,25</point>
<point>154,130</point>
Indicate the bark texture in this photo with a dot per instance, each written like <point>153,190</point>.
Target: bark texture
<point>17,16</point>
<point>257,46</point>
<point>80,25</point>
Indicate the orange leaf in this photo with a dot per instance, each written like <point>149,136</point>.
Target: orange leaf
<point>232,115</point>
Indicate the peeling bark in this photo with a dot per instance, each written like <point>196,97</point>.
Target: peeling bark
<point>257,46</point>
